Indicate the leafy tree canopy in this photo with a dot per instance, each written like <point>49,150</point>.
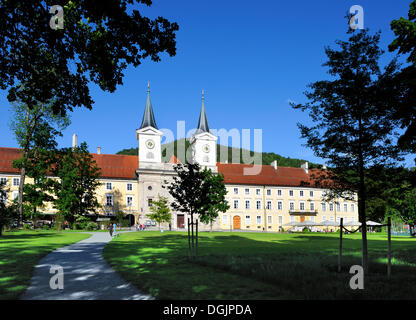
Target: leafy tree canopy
<point>99,39</point>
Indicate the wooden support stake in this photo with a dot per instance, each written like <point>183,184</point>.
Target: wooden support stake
<point>197,237</point>
<point>389,247</point>
<point>340,245</point>
<point>189,240</point>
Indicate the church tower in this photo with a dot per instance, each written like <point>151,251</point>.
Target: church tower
<point>150,155</point>
<point>204,143</point>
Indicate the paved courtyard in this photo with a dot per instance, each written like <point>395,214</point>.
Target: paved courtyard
<point>86,275</point>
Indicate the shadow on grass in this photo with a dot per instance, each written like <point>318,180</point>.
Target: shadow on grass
<point>20,252</point>
<point>259,266</point>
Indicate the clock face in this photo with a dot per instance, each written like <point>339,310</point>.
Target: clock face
<point>150,144</point>
<point>205,148</point>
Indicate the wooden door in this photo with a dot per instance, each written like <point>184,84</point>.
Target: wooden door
<point>237,222</point>
<point>302,218</point>
<point>180,221</point>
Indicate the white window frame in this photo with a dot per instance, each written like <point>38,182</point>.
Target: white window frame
<point>109,196</point>
<point>311,193</point>
<point>312,206</point>
<point>331,206</point>
<point>301,203</point>
<point>269,219</point>
<point>279,192</point>
<point>107,184</point>
<point>279,205</point>
<point>323,206</point>
<point>16,184</point>
<point>235,190</point>
<point>291,193</point>
<point>131,186</point>
<point>269,205</point>
<point>247,204</point>
<point>127,200</point>
<point>280,220</point>
<point>248,219</point>
<point>247,191</point>
<point>258,204</point>
<point>15,195</point>
<point>269,192</point>
<point>257,219</point>
<point>291,204</point>
<point>301,193</point>
<point>236,204</point>
<point>258,192</point>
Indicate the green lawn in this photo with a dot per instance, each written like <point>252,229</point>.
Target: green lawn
<point>19,253</point>
<point>261,266</point>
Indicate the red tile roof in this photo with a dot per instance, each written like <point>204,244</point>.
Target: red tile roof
<point>125,166</point>
<point>283,176</point>
<point>112,166</point>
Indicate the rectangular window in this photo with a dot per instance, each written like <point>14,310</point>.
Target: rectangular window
<point>247,204</point>
<point>3,181</point>
<point>258,192</point>
<point>129,201</point>
<point>269,205</point>
<point>352,207</point>
<point>279,205</point>
<point>258,204</point>
<point>235,190</point>
<point>323,218</point>
<point>338,206</point>
<point>108,186</point>
<point>291,206</point>
<point>269,220</point>
<point>301,193</point>
<point>258,219</point>
<point>269,192</point>
<point>292,219</point>
<point>224,218</point>
<point>247,191</point>
<point>235,204</point>
<point>129,186</point>
<point>302,206</point>
<point>312,206</point>
<point>313,219</point>
<point>291,193</point>
<point>345,207</point>
<point>331,218</point>
<point>331,207</point>
<point>109,200</point>
<point>323,194</point>
<point>280,220</point>
<point>311,194</point>
<point>323,206</point>
<point>150,202</point>
<point>248,220</point>
<point>16,181</point>
<point>279,192</point>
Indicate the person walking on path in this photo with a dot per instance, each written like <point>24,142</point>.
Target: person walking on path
<point>114,229</point>
<point>110,228</point>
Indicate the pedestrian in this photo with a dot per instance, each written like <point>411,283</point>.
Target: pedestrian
<point>114,229</point>
<point>110,228</point>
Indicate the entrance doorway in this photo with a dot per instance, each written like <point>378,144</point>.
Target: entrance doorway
<point>302,218</point>
<point>131,219</point>
<point>180,221</point>
<point>236,222</point>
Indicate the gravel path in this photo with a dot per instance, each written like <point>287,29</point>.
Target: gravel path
<point>87,276</point>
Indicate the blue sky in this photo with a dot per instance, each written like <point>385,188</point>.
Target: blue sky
<point>250,57</point>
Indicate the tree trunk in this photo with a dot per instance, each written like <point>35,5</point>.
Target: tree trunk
<point>362,200</point>
<point>192,235</point>
<point>21,184</point>
<point>1,230</point>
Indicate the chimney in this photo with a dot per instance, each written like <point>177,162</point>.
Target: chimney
<point>324,166</point>
<point>305,167</point>
<point>74,141</point>
<point>98,150</point>
<point>274,164</point>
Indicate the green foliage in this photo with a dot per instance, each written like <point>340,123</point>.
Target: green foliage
<point>7,213</point>
<point>91,226</point>
<point>27,226</point>
<point>97,43</point>
<point>46,227</point>
<point>76,190</point>
<point>160,210</point>
<point>403,110</point>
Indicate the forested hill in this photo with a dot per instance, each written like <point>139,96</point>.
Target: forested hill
<point>226,153</point>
